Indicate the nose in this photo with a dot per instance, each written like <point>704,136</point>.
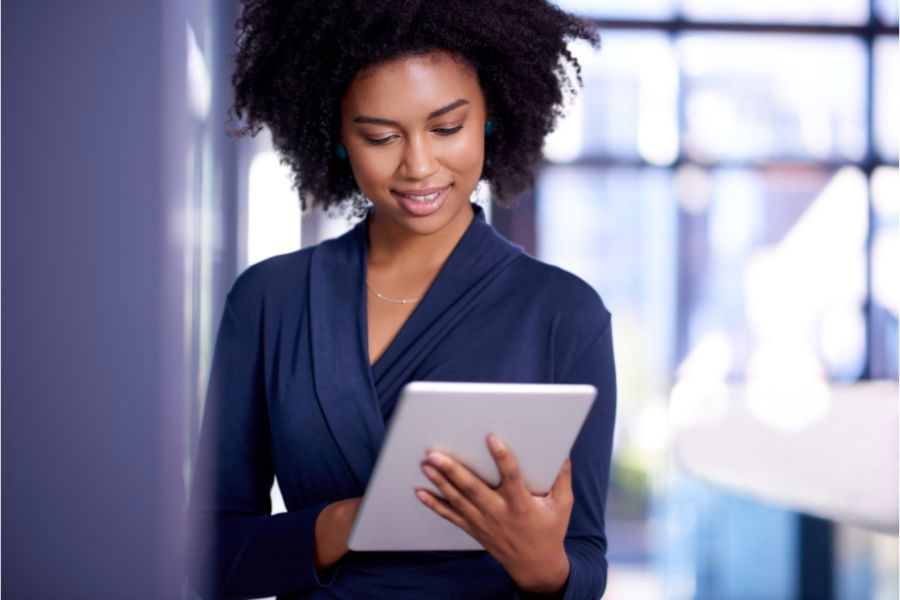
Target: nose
<point>419,160</point>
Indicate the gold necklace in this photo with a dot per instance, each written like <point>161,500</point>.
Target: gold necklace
<point>396,300</point>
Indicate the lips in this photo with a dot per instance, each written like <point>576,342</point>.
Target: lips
<point>422,202</point>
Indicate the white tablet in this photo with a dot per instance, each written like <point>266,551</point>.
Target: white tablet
<point>539,423</point>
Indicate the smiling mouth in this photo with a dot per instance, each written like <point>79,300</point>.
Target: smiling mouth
<point>419,197</point>
<point>417,204</point>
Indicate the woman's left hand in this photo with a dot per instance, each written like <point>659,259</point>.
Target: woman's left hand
<point>525,533</point>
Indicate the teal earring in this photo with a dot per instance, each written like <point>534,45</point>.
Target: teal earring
<point>340,151</point>
<point>489,128</point>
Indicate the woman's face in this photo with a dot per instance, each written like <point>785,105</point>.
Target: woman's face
<point>414,132</point>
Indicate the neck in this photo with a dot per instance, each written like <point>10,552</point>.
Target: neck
<point>392,247</point>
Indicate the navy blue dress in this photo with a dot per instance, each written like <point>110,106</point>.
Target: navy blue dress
<point>291,394</point>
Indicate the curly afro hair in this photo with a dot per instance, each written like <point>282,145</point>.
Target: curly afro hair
<point>296,59</point>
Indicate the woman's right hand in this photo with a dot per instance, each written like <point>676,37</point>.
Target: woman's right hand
<point>333,531</point>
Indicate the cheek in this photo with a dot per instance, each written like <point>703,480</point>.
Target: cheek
<point>465,154</point>
<point>370,168</point>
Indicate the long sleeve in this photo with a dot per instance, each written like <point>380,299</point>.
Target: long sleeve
<point>591,455</point>
<point>585,541</point>
<point>237,548</point>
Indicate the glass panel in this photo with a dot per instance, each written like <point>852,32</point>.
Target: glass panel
<point>607,226</point>
<point>865,564</point>
<point>885,266</point>
<point>620,9</point>
<point>778,11</point>
<point>773,96</point>
<point>775,273</point>
<point>616,228</point>
<point>772,280</point>
<point>886,246</point>
<point>887,11</point>
<point>716,544</point>
<point>887,97</point>
<point>628,106</point>
<point>273,209</point>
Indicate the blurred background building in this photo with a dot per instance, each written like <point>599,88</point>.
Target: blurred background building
<point>727,180</point>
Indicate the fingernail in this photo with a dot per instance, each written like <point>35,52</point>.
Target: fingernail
<point>437,458</point>
<point>496,444</point>
<point>421,495</point>
<point>429,470</point>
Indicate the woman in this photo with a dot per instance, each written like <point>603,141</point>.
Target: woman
<point>398,109</point>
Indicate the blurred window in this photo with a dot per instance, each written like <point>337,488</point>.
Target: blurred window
<point>712,182</point>
<point>887,94</point>
<point>885,266</point>
<point>887,11</point>
<point>614,227</point>
<point>621,9</point>
<point>752,96</point>
<point>631,89</point>
<point>775,272</point>
<point>838,12</point>
<point>273,210</point>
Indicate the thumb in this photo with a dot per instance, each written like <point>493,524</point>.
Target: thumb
<point>562,487</point>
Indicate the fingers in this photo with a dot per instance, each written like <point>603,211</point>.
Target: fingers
<point>512,484</point>
<point>442,508</point>
<point>562,486</point>
<point>463,490</point>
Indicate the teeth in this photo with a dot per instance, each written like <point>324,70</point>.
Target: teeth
<point>427,198</point>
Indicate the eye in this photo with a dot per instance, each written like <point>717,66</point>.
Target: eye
<point>380,141</point>
<point>439,131</point>
<point>449,131</point>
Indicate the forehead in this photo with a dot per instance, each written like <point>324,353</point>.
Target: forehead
<point>407,89</point>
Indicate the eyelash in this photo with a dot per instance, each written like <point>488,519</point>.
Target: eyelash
<point>442,131</point>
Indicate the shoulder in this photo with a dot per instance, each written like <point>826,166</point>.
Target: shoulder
<point>577,317</point>
<point>270,279</point>
<point>562,292</point>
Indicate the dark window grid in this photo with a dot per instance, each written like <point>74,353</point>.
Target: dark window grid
<point>680,25</point>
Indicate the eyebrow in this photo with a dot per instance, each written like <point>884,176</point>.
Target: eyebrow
<point>431,115</point>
